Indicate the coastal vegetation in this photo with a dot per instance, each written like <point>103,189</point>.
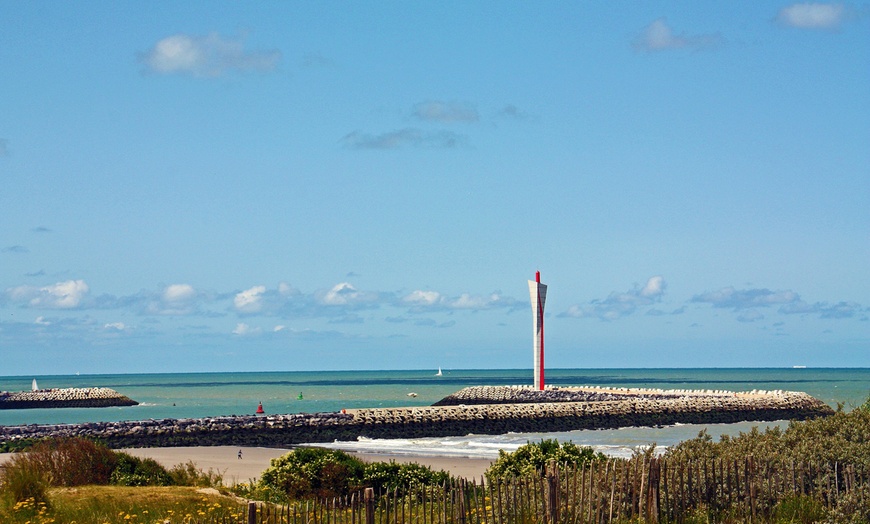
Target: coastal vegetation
<point>306,473</point>
<point>534,457</point>
<point>79,480</point>
<point>812,471</point>
<point>842,437</point>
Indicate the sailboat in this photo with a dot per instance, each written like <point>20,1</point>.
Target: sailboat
<point>34,387</point>
<point>439,372</point>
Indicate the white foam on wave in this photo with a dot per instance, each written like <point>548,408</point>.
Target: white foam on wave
<point>457,447</point>
<point>620,443</point>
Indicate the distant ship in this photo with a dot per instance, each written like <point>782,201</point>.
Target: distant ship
<point>799,367</point>
<point>439,372</point>
<point>34,387</point>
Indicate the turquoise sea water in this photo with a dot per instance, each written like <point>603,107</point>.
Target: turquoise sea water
<point>185,395</point>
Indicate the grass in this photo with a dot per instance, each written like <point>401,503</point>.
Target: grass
<point>125,505</point>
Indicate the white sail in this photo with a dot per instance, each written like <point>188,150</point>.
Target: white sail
<point>439,372</point>
<point>34,386</point>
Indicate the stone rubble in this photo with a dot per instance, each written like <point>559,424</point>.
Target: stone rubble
<point>64,398</point>
<point>482,410</point>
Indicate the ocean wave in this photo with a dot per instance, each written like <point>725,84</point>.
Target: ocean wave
<point>621,443</point>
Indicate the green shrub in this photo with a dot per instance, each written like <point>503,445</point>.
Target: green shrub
<point>75,462</point>
<point>135,471</point>
<point>325,473</point>
<point>313,472</point>
<point>190,475</point>
<point>533,458</point>
<point>841,437</point>
<point>394,477</point>
<point>13,446</point>
<point>799,509</point>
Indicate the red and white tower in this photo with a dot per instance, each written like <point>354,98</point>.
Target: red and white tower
<point>538,294</point>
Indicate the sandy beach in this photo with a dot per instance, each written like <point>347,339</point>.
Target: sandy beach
<point>225,460</point>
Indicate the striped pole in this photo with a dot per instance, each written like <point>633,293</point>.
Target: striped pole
<point>538,293</point>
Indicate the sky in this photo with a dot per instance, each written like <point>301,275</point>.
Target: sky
<point>279,186</point>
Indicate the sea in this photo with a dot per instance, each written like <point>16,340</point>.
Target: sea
<point>201,395</point>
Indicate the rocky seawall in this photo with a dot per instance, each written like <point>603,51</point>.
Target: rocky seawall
<point>64,398</point>
<point>631,409</point>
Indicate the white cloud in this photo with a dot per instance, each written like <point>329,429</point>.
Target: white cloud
<point>422,298</point>
<point>419,301</point>
<point>62,295</point>
<point>175,299</point>
<point>658,36</point>
<point>243,329</point>
<point>493,300</point>
<point>206,56</point>
<point>178,293</point>
<point>810,15</point>
<point>445,112</point>
<point>654,287</point>
<point>344,294</point>
<point>250,300</point>
<point>467,301</point>
<point>340,295</point>
<point>729,297</point>
<point>118,326</point>
<point>40,320</point>
<point>618,305</point>
<point>276,329</point>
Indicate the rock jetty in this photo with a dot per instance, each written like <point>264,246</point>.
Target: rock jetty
<point>64,398</point>
<point>605,408</point>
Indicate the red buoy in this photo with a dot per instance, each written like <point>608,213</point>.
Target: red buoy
<point>260,409</point>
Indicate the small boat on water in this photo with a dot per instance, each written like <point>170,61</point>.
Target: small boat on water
<point>439,372</point>
<point>34,387</point>
<point>412,394</point>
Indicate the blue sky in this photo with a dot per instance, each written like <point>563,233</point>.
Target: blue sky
<point>308,185</point>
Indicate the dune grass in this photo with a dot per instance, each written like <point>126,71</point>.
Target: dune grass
<point>125,505</point>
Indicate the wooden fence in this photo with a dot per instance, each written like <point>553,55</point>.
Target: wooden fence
<point>649,491</point>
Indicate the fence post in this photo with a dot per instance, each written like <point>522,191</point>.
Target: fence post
<point>553,495</point>
<point>370,505</point>
<point>652,501</point>
<point>463,489</point>
<point>252,513</point>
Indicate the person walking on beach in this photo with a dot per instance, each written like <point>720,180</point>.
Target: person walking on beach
<point>240,454</point>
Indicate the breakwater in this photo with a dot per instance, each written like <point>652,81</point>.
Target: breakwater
<point>64,398</point>
<point>632,408</point>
